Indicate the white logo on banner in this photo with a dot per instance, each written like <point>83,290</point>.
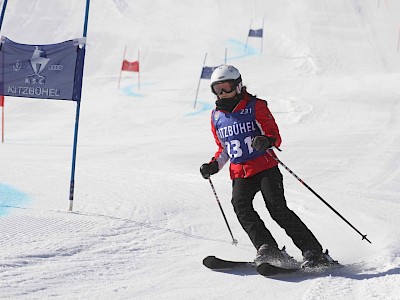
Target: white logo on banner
<point>38,63</point>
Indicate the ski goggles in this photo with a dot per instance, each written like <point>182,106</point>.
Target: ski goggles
<point>227,86</point>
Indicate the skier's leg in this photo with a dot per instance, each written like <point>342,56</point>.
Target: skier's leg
<point>243,192</point>
<point>273,193</point>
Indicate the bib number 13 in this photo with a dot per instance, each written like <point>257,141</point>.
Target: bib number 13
<point>234,147</point>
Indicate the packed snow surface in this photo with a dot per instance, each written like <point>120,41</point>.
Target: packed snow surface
<point>143,217</point>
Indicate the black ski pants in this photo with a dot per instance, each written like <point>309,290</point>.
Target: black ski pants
<point>270,183</point>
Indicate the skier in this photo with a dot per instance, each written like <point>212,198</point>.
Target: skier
<point>244,129</point>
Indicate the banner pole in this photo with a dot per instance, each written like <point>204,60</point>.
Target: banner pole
<point>138,53</point>
<point>2,118</point>
<point>262,36</point>
<point>72,182</point>
<point>226,54</point>
<point>198,85</point>
<point>3,12</point>
<point>120,72</point>
<point>398,41</point>
<point>247,39</point>
<point>78,108</point>
<point>86,18</point>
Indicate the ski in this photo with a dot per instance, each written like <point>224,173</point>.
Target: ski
<point>265,269</point>
<point>215,263</point>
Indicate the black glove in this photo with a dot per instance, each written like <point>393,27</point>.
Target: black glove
<point>262,143</point>
<point>209,169</point>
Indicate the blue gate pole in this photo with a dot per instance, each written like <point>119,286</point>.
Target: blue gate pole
<point>3,11</point>
<point>78,108</point>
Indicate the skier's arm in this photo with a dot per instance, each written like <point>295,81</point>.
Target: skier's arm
<point>266,122</point>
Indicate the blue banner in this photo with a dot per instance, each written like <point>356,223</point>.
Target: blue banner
<point>256,32</point>
<point>41,71</point>
<point>207,72</point>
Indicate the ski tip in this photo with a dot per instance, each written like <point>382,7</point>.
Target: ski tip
<point>209,262</point>
<point>208,258</point>
<point>216,263</point>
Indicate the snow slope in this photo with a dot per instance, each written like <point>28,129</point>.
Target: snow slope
<point>143,217</point>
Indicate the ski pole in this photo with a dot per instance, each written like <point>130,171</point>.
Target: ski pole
<point>364,236</point>
<point>234,241</point>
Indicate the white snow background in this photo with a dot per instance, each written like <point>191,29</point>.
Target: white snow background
<point>143,217</point>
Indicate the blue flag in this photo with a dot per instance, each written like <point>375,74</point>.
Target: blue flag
<point>207,72</point>
<point>256,32</point>
<point>41,71</point>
